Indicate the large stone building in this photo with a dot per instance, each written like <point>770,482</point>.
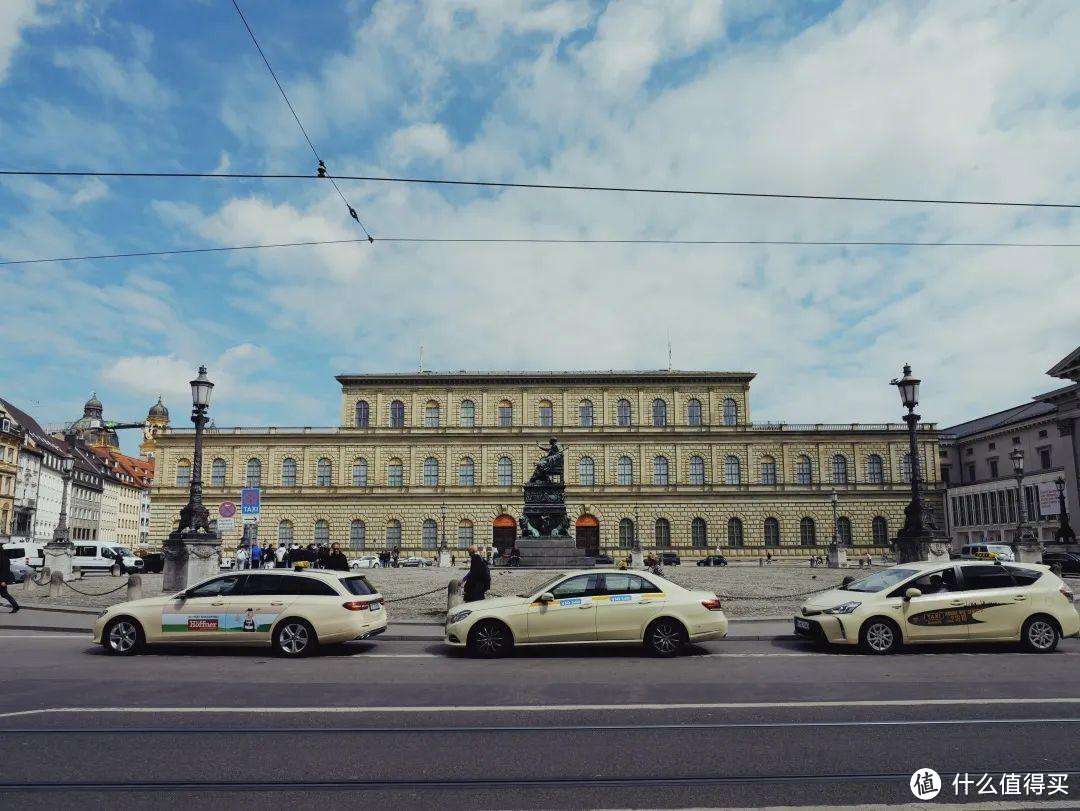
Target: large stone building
<point>11,437</point>
<point>671,455</point>
<point>40,485</point>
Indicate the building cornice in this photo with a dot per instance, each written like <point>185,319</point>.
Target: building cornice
<point>522,378</point>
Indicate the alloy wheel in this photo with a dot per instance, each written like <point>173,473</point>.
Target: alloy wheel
<point>123,636</point>
<point>1041,635</point>
<point>293,638</point>
<point>665,638</point>
<point>880,636</point>
<point>490,639</point>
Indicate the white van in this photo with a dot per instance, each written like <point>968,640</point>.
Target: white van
<point>29,553</point>
<point>101,557</point>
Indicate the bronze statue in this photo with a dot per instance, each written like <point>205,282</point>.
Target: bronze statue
<point>551,465</point>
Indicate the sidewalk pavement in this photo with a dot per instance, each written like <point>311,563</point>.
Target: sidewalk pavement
<point>35,617</point>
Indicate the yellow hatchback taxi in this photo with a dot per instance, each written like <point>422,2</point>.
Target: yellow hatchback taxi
<point>944,601</point>
<point>590,606</point>
<point>291,611</point>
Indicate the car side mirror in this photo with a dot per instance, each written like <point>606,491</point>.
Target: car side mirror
<point>547,597</point>
<point>912,593</point>
<point>847,581</point>
<point>183,595</point>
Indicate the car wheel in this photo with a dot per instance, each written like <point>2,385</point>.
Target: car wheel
<point>123,636</point>
<point>1040,634</point>
<point>294,638</point>
<point>665,637</point>
<point>880,636</point>
<point>489,639</point>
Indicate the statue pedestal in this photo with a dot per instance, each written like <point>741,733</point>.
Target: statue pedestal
<point>916,549</point>
<point>190,558</point>
<point>1029,549</point>
<point>837,556</point>
<point>637,559</point>
<point>552,552</point>
<point>58,558</point>
<point>443,559</point>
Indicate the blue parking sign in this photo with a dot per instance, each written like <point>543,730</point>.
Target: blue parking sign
<point>250,505</point>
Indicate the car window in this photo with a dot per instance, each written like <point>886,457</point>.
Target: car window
<point>86,551</point>
<point>267,584</point>
<point>583,585</point>
<point>1025,577</point>
<point>358,585</point>
<point>14,551</point>
<point>987,577</point>
<point>310,587</point>
<point>643,586</point>
<point>222,587</point>
<point>618,583</point>
<point>880,581</point>
<point>936,582</point>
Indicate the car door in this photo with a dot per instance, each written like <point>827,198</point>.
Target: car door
<point>257,605</point>
<point>623,608</point>
<point>571,616</point>
<point>202,616</point>
<point>936,616</point>
<point>996,604</point>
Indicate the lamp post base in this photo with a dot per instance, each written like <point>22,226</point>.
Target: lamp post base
<point>837,556</point>
<point>190,557</point>
<point>58,555</point>
<point>444,558</point>
<point>1029,549</point>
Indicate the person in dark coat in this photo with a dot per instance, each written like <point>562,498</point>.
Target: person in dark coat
<point>6,577</point>
<point>336,560</point>
<point>478,580</point>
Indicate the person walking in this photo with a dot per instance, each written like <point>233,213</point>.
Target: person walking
<point>478,580</point>
<point>279,556</point>
<point>336,560</point>
<point>256,555</point>
<point>241,558</point>
<point>7,577</point>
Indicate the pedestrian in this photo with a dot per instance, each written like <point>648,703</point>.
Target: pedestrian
<point>336,560</point>
<point>768,557</point>
<point>322,557</point>
<point>453,559</point>
<point>256,555</point>
<point>279,556</point>
<point>478,580</point>
<point>7,577</point>
<point>118,556</point>
<point>241,558</point>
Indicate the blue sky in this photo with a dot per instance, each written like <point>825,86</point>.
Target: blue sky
<point>940,99</point>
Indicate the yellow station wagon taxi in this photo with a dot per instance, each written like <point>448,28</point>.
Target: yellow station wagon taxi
<point>590,606</point>
<point>292,611</point>
<point>944,601</point>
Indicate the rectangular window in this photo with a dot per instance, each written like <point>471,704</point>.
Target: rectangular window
<point>1010,500</point>
<point>955,511</point>
<point>993,508</point>
<point>971,471</point>
<point>1045,459</point>
<point>945,474</point>
<point>547,417</point>
<point>506,416</point>
<point>986,499</point>
<point>993,468</point>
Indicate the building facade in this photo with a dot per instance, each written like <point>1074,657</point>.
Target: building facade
<point>126,482</point>
<point>983,501</point>
<point>27,482</point>
<point>670,456</point>
<point>11,438</point>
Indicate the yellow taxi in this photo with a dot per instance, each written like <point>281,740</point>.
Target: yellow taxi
<point>589,606</point>
<point>291,611</point>
<point>944,601</point>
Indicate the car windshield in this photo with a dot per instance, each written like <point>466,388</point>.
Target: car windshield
<point>125,552</point>
<point>545,586</point>
<point>880,581</point>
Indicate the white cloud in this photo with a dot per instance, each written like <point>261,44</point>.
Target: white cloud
<point>129,81</point>
<point>419,142</point>
<point>15,17</point>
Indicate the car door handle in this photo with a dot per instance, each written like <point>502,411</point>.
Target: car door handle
<point>221,603</point>
<point>956,602</point>
<point>1019,598</point>
<point>584,606</point>
<point>277,603</point>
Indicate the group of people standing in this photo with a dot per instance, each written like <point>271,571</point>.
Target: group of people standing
<point>286,556</point>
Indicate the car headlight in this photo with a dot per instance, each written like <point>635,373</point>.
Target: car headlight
<point>458,616</point>
<point>843,608</point>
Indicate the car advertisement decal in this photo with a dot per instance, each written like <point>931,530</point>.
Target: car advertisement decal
<point>963,615</point>
<point>249,621</point>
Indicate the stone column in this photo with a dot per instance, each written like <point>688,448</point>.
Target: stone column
<point>191,556</point>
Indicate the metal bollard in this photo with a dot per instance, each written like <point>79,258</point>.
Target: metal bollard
<point>134,587</point>
<point>56,584</point>
<point>453,593</point>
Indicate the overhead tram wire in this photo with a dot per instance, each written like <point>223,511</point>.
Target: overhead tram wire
<point>495,184</point>
<point>537,241</point>
<point>323,174</point>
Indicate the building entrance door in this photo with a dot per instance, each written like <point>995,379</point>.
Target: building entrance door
<point>588,535</point>
<point>503,533</point>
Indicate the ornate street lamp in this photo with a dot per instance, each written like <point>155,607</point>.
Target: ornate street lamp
<point>919,538</point>
<point>194,516</point>
<point>1026,543</point>
<point>60,550</point>
<point>834,497</point>
<point>61,535</point>
<point>1065,533</point>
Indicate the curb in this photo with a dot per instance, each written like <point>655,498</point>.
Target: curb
<point>36,628</point>
<point>70,609</point>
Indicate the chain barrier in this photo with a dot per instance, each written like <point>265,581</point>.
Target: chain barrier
<point>123,585</point>
<point>414,596</point>
<point>775,596</point>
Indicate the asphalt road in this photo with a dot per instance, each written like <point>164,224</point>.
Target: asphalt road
<point>418,725</point>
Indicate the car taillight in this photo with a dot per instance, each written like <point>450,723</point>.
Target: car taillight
<point>713,604</point>
<point>1066,593</point>
<point>361,605</point>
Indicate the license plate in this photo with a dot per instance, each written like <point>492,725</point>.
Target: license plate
<point>376,607</point>
<point>801,624</point>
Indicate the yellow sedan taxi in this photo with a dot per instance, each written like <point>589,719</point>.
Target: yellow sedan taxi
<point>944,601</point>
<point>590,606</point>
<point>291,611</point>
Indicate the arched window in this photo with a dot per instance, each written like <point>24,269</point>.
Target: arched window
<point>734,532</point>
<point>732,470</point>
<point>357,534</point>
<point>693,412</point>
<point>431,472</point>
<point>875,470</point>
<point>359,473</point>
<point>468,414</point>
<point>254,473</point>
<point>660,471</point>
<point>697,470</point>
<point>323,473</point>
<point>768,470</point>
<point>804,470</point>
<point>397,414</point>
<point>839,469</point>
<point>807,532</point>
<point>625,470</point>
<point>586,471</point>
<point>731,411</point>
<point>843,530</point>
<point>285,532</point>
<point>699,533</point>
<point>465,534</point>
<point>626,533</point>
<point>663,533</point>
<point>506,414</point>
<point>659,413</point>
<point>506,471</point>
<point>393,534</point>
<point>217,473</point>
<point>466,472</point>
<point>429,534</point>
<point>546,414</point>
<point>395,473</point>
<point>623,414</point>
<point>322,532</point>
<point>432,414</point>
<point>905,468</point>
<point>880,529</point>
<point>585,414</point>
<point>772,532</point>
<point>183,473</point>
<point>363,414</point>
<point>288,472</point>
